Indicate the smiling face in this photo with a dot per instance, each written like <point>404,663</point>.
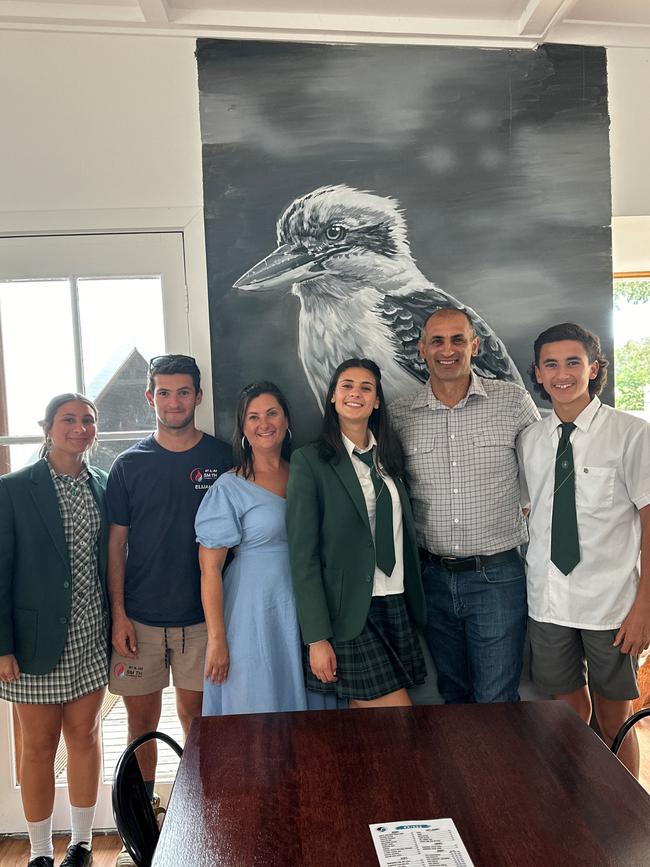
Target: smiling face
<point>564,370</point>
<point>174,400</point>
<point>355,395</point>
<point>265,424</point>
<point>73,429</point>
<point>448,346</point>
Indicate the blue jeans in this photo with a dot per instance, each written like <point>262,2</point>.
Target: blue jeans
<point>476,626</point>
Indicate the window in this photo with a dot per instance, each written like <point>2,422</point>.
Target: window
<point>631,342</point>
<point>86,317</point>
<point>84,313</point>
<point>73,335</point>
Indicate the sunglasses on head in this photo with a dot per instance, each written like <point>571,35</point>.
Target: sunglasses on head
<point>157,360</point>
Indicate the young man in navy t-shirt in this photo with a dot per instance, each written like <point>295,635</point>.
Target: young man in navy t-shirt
<point>154,490</point>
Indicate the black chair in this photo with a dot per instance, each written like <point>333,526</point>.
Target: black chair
<point>132,810</point>
<point>627,725</point>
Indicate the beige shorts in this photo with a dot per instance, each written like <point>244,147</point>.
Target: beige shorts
<point>161,649</point>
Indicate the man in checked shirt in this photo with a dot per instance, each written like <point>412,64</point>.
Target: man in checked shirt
<point>459,432</point>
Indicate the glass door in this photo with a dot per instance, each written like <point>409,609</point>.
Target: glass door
<point>82,313</point>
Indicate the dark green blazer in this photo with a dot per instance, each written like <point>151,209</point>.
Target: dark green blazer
<point>35,578</point>
<point>331,548</point>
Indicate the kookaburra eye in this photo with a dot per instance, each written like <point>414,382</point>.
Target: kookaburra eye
<point>335,232</point>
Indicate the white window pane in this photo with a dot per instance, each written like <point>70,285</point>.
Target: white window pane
<point>38,349</point>
<point>22,455</point>
<point>122,328</point>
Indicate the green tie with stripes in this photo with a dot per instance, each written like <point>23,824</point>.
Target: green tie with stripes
<point>565,547</point>
<point>384,545</point>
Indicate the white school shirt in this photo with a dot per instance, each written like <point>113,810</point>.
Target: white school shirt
<point>611,456</point>
<point>383,585</point>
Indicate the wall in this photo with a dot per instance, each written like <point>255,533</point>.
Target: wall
<point>92,121</point>
<point>629,78</point>
<point>102,131</point>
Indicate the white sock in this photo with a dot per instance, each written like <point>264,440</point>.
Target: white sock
<point>40,838</point>
<point>81,821</point>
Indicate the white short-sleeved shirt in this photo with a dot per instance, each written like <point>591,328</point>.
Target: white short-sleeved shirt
<point>611,455</point>
<point>383,585</point>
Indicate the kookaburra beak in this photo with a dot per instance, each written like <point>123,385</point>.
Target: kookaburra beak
<point>282,268</point>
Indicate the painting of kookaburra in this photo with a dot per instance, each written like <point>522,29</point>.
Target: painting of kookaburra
<point>345,254</point>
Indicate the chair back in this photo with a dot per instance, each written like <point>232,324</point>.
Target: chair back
<point>132,810</point>
<point>627,725</point>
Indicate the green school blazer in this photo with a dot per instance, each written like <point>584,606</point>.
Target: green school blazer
<point>332,551</point>
<point>35,577</point>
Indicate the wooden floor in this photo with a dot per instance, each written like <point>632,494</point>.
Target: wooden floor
<point>15,853</point>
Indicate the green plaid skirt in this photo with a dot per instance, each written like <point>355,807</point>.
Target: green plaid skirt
<point>385,657</point>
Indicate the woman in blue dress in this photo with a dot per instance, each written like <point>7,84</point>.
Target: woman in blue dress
<point>253,659</point>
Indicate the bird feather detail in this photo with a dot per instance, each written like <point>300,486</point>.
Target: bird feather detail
<point>345,254</point>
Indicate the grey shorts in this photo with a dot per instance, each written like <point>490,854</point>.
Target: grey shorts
<point>564,658</point>
<point>179,649</point>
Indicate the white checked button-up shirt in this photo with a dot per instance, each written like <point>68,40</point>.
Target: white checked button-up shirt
<point>611,455</point>
<point>383,585</point>
<point>462,466</point>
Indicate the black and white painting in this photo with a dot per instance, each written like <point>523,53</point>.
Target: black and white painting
<point>352,190</point>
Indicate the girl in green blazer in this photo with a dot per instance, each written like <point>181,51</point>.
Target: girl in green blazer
<point>354,557</point>
<point>54,621</point>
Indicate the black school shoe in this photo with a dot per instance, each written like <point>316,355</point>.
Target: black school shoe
<point>41,861</point>
<point>78,856</point>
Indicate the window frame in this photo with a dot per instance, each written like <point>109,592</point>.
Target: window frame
<point>106,253</point>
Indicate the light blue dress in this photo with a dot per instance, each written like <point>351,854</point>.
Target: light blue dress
<point>259,608</point>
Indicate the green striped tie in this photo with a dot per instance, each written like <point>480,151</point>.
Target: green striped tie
<point>565,547</point>
<point>384,546</point>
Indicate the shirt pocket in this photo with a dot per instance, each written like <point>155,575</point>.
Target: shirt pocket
<point>595,486</point>
<point>420,465</point>
<point>494,440</point>
<point>418,452</point>
<point>495,453</point>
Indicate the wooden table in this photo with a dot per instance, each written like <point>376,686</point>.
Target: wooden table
<point>528,785</point>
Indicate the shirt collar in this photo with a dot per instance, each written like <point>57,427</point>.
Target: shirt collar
<point>83,474</point>
<point>583,421</point>
<point>425,397</point>
<point>350,446</point>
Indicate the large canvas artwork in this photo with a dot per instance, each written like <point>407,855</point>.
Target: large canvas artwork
<point>351,190</point>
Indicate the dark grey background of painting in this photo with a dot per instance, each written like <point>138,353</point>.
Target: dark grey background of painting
<point>500,160</point>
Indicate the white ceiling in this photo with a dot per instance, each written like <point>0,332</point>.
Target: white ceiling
<point>518,23</point>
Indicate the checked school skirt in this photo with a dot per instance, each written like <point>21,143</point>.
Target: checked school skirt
<point>384,657</point>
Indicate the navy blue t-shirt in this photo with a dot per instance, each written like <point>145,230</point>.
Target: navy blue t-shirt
<point>156,493</point>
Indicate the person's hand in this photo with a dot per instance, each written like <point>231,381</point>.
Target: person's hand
<point>634,635</point>
<point>322,661</point>
<point>217,661</point>
<point>9,669</point>
<point>124,640</point>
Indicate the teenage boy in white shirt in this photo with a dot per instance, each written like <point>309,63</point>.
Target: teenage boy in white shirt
<point>589,606</point>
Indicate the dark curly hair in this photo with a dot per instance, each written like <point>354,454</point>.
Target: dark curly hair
<point>591,343</point>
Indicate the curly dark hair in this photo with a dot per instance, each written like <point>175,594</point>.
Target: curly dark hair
<point>591,343</point>
<point>389,448</point>
<point>242,453</point>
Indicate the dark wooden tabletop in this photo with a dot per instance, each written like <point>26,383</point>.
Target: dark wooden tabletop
<point>528,785</point>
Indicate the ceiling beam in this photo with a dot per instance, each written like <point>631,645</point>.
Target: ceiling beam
<point>539,16</point>
<point>155,11</point>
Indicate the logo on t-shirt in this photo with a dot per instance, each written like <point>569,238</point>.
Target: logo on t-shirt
<point>203,477</point>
